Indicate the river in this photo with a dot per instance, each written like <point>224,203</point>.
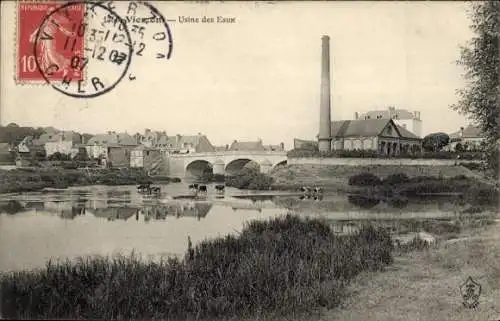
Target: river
<point>104,220</point>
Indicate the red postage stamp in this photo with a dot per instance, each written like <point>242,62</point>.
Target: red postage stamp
<point>53,57</point>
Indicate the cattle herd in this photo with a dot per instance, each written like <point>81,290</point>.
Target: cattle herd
<point>309,192</point>
<point>146,188</point>
<point>199,188</point>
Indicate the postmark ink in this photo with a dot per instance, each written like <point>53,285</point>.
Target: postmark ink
<point>101,63</point>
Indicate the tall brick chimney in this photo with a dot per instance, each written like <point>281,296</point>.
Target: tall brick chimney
<point>325,122</point>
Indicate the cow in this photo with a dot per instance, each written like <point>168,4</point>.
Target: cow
<point>202,188</point>
<point>142,188</point>
<point>305,189</point>
<point>154,190</point>
<point>318,190</point>
<point>193,186</point>
<point>220,188</point>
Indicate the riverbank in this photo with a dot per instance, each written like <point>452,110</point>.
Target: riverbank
<point>35,179</point>
<point>388,182</point>
<point>425,285</point>
<point>274,267</point>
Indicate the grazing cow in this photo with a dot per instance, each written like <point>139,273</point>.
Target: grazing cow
<point>220,188</point>
<point>202,188</point>
<point>142,188</point>
<point>193,186</point>
<point>155,190</point>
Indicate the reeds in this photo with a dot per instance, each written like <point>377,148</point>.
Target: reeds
<point>280,266</point>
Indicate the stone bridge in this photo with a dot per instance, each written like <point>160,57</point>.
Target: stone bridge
<point>226,162</point>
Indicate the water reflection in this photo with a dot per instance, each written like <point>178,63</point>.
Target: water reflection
<point>362,201</point>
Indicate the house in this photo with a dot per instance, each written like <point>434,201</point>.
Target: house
<point>151,138</point>
<point>28,150</point>
<point>247,146</point>
<point>64,142</point>
<point>275,148</point>
<point>97,146</point>
<point>409,120</point>
<point>303,144</point>
<point>145,157</point>
<point>469,138</point>
<point>183,144</point>
<point>381,135</point>
<point>117,156</point>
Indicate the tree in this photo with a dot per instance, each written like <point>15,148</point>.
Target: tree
<point>435,141</point>
<point>480,57</point>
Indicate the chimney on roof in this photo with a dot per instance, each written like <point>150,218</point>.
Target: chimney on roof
<point>325,123</point>
<point>356,115</point>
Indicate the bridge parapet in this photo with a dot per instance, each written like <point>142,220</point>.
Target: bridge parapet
<point>230,153</point>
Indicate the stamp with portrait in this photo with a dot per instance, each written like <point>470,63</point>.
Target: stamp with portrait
<point>59,51</point>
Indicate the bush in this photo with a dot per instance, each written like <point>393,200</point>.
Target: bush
<point>395,179</point>
<point>284,265</point>
<point>250,179</point>
<point>364,179</point>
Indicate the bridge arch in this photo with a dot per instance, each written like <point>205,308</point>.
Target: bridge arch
<point>238,164</point>
<point>197,168</point>
<point>279,165</point>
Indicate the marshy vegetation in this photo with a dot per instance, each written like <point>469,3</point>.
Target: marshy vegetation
<point>471,191</point>
<point>280,266</point>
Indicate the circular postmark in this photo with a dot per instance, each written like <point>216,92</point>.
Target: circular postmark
<point>150,32</point>
<point>78,54</point>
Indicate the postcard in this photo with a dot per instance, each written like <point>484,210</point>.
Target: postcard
<point>249,160</point>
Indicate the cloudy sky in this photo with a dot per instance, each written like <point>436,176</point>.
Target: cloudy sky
<point>260,76</point>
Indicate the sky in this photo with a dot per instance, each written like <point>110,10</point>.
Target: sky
<point>259,77</point>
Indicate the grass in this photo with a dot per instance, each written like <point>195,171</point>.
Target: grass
<point>281,266</point>
<point>425,285</point>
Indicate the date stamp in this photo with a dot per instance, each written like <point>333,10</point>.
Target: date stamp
<point>105,58</point>
<point>59,50</point>
<point>84,48</point>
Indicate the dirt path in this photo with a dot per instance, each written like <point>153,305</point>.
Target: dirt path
<point>425,285</point>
